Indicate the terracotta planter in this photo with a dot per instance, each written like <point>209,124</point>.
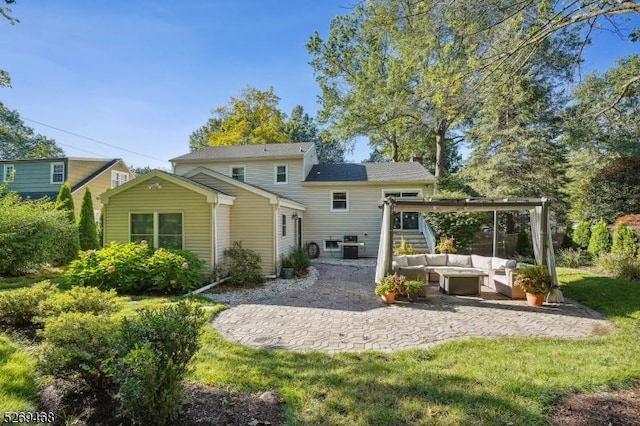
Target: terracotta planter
<point>389,298</point>
<point>535,299</point>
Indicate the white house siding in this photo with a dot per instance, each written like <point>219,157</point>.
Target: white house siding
<point>170,198</point>
<point>287,243</point>
<point>251,220</point>
<point>261,173</point>
<point>363,218</point>
<point>223,228</point>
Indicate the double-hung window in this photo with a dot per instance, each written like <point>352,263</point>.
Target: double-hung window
<point>118,178</point>
<point>9,172</point>
<point>238,173</point>
<point>57,172</point>
<point>339,201</point>
<point>157,229</point>
<point>281,173</point>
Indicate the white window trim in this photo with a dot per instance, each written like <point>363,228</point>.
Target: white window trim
<point>238,166</point>
<point>345,210</point>
<point>58,163</point>
<point>9,177</point>
<point>115,177</point>
<point>324,245</point>
<point>156,224</point>
<point>401,190</point>
<point>286,174</point>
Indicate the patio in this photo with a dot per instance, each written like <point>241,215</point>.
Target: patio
<point>340,313</point>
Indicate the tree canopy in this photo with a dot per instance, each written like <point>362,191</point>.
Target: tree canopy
<point>18,141</point>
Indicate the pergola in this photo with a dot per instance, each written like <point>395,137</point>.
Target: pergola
<point>538,208</point>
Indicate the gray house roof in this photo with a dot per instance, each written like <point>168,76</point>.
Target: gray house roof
<point>296,149</point>
<point>370,172</point>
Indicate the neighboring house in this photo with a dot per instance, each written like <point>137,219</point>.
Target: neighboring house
<point>43,177</point>
<point>272,197</point>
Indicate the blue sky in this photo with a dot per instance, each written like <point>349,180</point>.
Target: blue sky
<point>141,75</point>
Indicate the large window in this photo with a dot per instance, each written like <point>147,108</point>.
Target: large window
<point>281,174</point>
<point>238,173</point>
<point>118,178</point>
<point>57,172</point>
<point>158,229</point>
<point>339,201</point>
<point>9,172</point>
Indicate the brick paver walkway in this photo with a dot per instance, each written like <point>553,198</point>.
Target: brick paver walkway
<point>340,313</point>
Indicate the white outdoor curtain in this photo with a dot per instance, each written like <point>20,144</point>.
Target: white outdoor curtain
<point>536,236</point>
<point>383,263</point>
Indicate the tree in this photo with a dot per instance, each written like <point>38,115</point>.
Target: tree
<point>5,13</point>
<point>87,231</point>
<point>200,138</point>
<point>18,141</point>
<point>302,128</point>
<point>582,235</point>
<point>625,241</point>
<point>253,118</point>
<point>141,170</point>
<point>64,201</point>
<point>600,241</point>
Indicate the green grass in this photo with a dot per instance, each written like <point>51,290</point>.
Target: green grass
<point>474,382</point>
<point>17,380</point>
<point>9,283</point>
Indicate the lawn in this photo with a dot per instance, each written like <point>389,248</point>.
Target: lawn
<point>475,381</point>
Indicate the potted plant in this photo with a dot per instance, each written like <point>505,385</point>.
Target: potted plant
<point>413,288</point>
<point>286,267</point>
<point>446,245</point>
<point>389,287</point>
<point>535,281</point>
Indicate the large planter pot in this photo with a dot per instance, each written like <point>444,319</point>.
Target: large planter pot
<point>389,298</point>
<point>535,299</point>
<point>286,273</point>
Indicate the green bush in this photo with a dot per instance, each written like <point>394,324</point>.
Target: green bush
<point>600,241</point>
<point>242,266</point>
<point>20,307</point>
<point>87,230</point>
<point>572,258</point>
<point>33,233</point>
<point>523,244</point>
<point>621,266</point>
<point>134,268</point>
<point>156,347</point>
<point>79,299</point>
<point>403,248</point>
<point>301,262</point>
<point>64,202</point>
<point>533,279</point>
<point>77,347</point>
<point>625,241</point>
<point>582,235</point>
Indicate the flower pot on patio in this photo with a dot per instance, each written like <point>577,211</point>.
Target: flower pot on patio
<point>286,273</point>
<point>535,299</point>
<point>389,287</point>
<point>388,298</point>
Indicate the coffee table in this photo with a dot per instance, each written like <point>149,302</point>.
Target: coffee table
<point>461,283</point>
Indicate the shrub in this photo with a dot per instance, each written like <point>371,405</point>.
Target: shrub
<point>87,230</point>
<point>572,258</point>
<point>243,266</point>
<point>625,240</point>
<point>600,241</point>
<point>582,235</point>
<point>77,347</point>
<point>621,266</point>
<point>156,347</point>
<point>79,299</point>
<point>404,248</point>
<point>64,202</point>
<point>301,262</point>
<point>174,271</point>
<point>20,307</point>
<point>446,245</point>
<point>533,279</point>
<point>33,233</point>
<point>523,244</point>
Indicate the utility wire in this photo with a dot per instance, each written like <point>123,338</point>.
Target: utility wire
<point>91,139</point>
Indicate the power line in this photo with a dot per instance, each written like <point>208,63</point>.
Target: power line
<point>91,139</point>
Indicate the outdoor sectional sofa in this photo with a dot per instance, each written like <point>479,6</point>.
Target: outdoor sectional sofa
<point>499,272</point>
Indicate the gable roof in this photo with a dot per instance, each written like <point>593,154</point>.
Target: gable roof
<point>269,150</point>
<point>370,172</point>
<point>96,173</point>
<point>273,197</point>
<point>209,192</point>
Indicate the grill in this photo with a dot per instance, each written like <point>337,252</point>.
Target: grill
<point>350,247</point>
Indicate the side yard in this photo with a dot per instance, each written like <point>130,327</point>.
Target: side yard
<point>474,381</point>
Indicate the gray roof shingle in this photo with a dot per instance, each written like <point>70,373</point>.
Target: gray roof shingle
<point>296,149</point>
<point>370,172</point>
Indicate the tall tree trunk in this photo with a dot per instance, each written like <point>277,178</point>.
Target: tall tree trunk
<point>440,141</point>
<point>394,148</point>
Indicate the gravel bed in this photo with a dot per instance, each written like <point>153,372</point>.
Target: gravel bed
<point>364,261</point>
<point>271,288</point>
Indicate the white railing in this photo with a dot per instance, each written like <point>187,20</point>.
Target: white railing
<point>426,230</point>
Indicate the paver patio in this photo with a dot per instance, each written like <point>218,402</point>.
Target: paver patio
<point>340,313</point>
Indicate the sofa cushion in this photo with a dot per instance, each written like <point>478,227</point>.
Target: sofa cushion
<point>436,259</point>
<point>480,262</point>
<point>511,264</point>
<point>459,260</point>
<point>498,263</point>
<point>416,260</point>
<point>401,261</point>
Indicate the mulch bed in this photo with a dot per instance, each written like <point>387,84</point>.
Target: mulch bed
<point>613,408</point>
